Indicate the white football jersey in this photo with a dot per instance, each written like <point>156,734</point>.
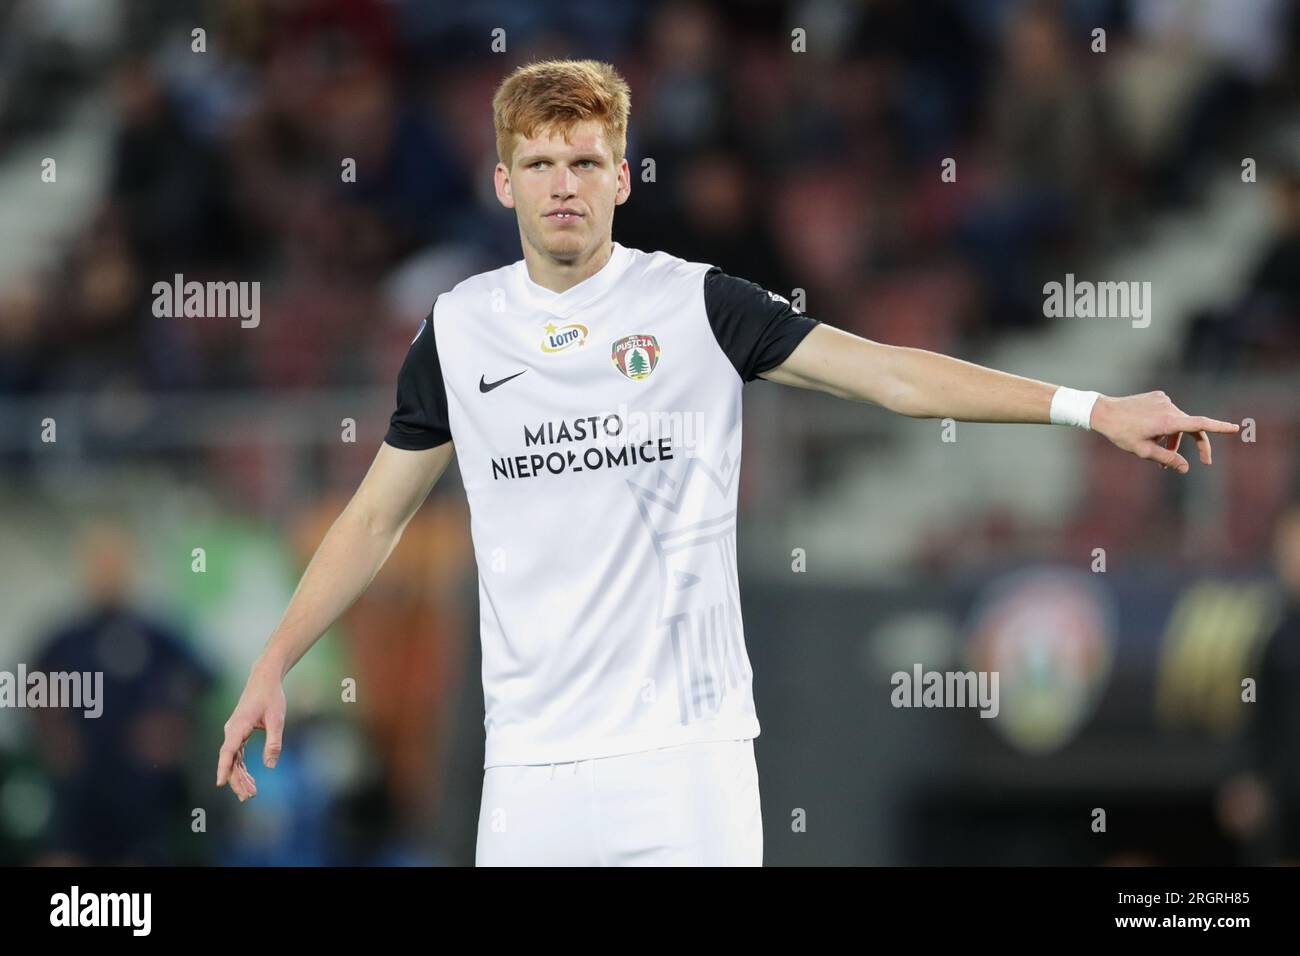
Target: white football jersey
<point>598,435</point>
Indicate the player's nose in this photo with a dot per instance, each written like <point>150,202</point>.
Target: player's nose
<point>565,183</point>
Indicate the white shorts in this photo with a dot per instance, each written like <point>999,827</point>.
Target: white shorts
<point>688,805</point>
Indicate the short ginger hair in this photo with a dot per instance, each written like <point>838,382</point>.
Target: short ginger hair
<point>553,96</point>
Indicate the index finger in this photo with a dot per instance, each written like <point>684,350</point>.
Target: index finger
<point>1199,423</point>
<point>226,760</point>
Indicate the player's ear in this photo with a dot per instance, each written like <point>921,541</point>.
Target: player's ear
<point>505,194</point>
<point>624,183</point>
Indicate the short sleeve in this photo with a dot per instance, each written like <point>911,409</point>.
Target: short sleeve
<point>756,329</point>
<point>420,419</point>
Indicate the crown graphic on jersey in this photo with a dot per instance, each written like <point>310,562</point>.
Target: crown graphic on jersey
<point>686,502</point>
<point>690,514</point>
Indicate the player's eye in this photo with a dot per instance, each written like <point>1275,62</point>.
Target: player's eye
<point>591,163</point>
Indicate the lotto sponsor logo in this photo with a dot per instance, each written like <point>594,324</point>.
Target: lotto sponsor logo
<point>561,338</point>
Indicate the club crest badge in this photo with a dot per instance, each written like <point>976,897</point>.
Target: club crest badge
<point>635,356</point>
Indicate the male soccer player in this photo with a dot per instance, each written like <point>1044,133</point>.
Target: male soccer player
<point>593,393</point>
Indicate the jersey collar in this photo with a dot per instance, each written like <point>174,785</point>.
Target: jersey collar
<point>564,304</point>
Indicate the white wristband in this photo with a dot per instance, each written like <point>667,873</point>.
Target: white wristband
<point>1073,407</point>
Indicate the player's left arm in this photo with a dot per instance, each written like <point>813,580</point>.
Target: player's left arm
<point>923,384</point>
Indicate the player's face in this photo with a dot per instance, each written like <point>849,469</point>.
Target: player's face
<point>564,193</point>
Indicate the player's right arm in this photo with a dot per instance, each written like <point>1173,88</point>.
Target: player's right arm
<point>414,454</point>
<point>347,560</point>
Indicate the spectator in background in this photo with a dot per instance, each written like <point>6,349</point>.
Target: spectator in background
<point>1261,806</point>
<point>720,221</point>
<point>1260,329</point>
<point>687,106</point>
<point>120,780</point>
<point>1196,76</point>
<point>1041,168</point>
<point>167,185</point>
<point>20,344</point>
<point>408,179</point>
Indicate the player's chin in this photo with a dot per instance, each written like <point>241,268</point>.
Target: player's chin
<point>564,245</point>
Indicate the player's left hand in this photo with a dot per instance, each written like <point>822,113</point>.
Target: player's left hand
<point>1152,427</point>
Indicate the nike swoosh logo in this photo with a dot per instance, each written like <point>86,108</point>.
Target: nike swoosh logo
<point>485,386</point>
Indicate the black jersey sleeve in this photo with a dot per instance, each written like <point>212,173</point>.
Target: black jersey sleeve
<point>420,419</point>
<point>755,328</point>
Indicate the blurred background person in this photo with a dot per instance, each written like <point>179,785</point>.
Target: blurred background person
<point>120,781</point>
<point>1261,805</point>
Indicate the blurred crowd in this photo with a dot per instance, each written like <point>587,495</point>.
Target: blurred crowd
<point>817,171</point>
